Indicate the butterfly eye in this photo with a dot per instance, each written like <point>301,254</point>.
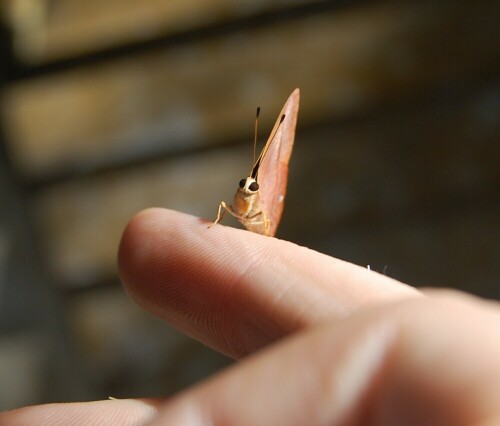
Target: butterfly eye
<point>242,183</point>
<point>254,186</point>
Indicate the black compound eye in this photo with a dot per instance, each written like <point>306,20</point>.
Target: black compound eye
<point>242,183</point>
<point>254,186</point>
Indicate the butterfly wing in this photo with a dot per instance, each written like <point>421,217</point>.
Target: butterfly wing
<point>272,174</point>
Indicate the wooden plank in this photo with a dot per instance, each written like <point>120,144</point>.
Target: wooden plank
<point>203,93</point>
<point>59,29</point>
<point>374,180</point>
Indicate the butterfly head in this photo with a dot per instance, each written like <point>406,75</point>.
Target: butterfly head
<point>248,186</point>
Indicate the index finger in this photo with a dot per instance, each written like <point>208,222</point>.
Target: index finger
<point>236,291</point>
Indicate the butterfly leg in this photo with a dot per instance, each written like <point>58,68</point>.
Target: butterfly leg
<point>267,224</point>
<point>254,215</point>
<point>265,221</point>
<point>220,213</point>
<point>223,208</point>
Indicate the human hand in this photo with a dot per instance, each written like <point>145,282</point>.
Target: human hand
<point>324,341</point>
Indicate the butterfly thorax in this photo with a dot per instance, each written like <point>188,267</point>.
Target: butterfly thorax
<point>247,198</point>
<point>247,205</point>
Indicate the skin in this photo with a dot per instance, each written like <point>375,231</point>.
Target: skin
<point>321,341</point>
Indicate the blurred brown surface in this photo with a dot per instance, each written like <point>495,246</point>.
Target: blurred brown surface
<point>48,30</point>
<point>82,220</point>
<point>396,161</point>
<point>367,174</point>
<point>200,93</point>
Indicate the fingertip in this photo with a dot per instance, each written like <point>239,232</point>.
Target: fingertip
<point>148,245</point>
<point>199,280</point>
<point>139,231</point>
<point>135,247</point>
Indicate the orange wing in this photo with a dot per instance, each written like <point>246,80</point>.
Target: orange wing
<point>271,168</point>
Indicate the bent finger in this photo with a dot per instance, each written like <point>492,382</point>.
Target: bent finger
<point>417,362</point>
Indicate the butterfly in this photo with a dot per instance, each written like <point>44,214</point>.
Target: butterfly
<point>260,197</point>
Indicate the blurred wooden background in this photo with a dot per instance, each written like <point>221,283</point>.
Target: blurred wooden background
<point>108,107</point>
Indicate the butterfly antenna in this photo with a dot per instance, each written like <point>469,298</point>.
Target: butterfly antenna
<point>255,134</point>
<point>255,168</point>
